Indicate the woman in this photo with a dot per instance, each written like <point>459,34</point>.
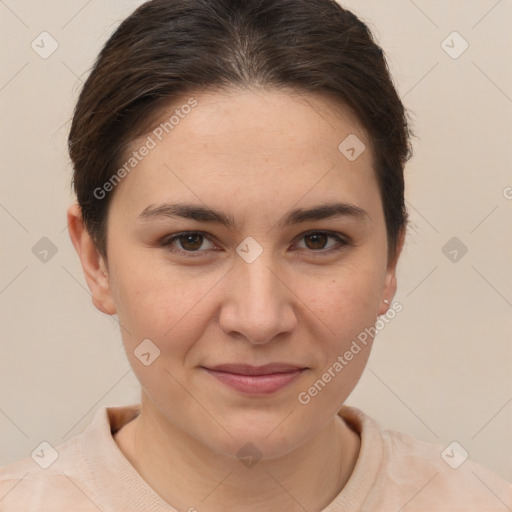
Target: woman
<point>238,167</point>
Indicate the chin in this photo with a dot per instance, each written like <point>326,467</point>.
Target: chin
<point>261,434</point>
<point>252,445</point>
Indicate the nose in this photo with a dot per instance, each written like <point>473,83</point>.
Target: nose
<point>258,303</point>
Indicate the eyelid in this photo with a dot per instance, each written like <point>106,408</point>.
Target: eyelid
<point>344,240</point>
<point>166,242</point>
<point>340,236</point>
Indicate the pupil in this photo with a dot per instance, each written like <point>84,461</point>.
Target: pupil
<point>316,238</point>
<point>192,246</point>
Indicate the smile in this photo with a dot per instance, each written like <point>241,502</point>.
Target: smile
<point>253,381</point>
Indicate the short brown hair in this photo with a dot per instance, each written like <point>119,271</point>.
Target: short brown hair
<point>168,48</point>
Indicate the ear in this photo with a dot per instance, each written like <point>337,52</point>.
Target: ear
<point>93,264</point>
<point>389,289</point>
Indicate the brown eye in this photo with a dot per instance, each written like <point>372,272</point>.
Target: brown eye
<point>191,242</point>
<point>187,243</point>
<point>316,241</point>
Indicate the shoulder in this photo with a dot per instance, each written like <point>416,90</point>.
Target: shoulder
<point>396,471</point>
<point>50,478</point>
<point>442,477</point>
<point>86,473</point>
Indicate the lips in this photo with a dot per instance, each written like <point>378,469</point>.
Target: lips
<point>266,369</point>
<point>256,380</point>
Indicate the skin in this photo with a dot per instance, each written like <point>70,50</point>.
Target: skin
<point>255,156</point>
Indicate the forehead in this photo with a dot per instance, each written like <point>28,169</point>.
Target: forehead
<point>279,119</point>
<point>231,142</point>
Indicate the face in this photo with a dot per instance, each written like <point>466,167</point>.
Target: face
<point>256,270</point>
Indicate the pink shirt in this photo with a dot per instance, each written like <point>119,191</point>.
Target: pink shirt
<point>394,472</point>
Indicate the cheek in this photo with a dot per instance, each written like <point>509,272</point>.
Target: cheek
<point>346,297</point>
<point>159,302</point>
<point>346,304</point>
<point>170,312</point>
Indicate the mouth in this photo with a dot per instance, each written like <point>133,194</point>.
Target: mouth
<point>259,380</point>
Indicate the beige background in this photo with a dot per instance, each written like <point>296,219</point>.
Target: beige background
<point>441,370</point>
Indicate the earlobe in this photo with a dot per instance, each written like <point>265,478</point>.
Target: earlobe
<point>388,292</point>
<point>93,264</point>
<point>390,284</point>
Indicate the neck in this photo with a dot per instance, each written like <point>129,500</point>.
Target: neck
<point>189,475</point>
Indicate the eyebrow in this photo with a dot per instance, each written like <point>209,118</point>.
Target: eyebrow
<point>295,216</point>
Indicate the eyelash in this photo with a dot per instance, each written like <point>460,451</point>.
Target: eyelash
<point>167,243</point>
